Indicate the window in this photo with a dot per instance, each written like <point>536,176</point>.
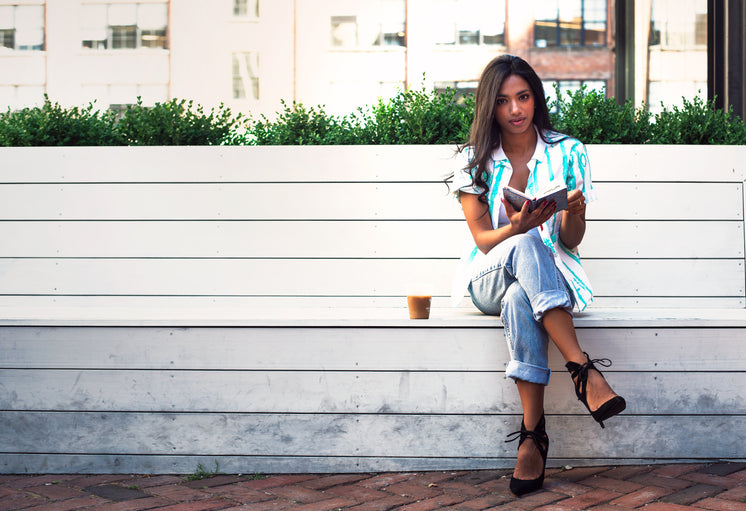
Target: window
<point>570,23</point>
<point>372,23</point>
<point>468,22</point>
<point>675,65</point>
<point>569,86</point>
<point>124,26</point>
<point>246,75</point>
<point>344,31</point>
<point>7,38</point>
<point>678,26</point>
<point>461,89</point>
<point>246,8</point>
<point>22,27</point>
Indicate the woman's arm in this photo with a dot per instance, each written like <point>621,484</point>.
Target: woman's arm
<point>480,222</point>
<point>572,228</point>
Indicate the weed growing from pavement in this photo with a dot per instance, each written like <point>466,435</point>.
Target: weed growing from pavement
<point>203,473</point>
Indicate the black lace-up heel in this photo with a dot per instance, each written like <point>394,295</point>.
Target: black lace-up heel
<point>579,374</point>
<point>541,439</point>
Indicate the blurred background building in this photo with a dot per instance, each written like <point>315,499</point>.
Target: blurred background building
<point>251,54</point>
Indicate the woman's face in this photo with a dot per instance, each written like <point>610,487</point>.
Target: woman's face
<point>515,106</point>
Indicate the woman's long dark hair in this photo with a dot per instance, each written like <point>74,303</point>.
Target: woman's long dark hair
<point>484,136</point>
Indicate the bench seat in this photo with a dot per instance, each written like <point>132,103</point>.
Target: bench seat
<point>162,308</point>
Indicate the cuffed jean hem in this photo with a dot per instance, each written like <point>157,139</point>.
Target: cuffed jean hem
<point>527,372</point>
<point>548,300</point>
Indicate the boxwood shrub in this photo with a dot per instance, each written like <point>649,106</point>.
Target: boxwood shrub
<point>410,117</point>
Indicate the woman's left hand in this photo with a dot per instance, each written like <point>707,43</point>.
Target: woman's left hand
<point>576,203</point>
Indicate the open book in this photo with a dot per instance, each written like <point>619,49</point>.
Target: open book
<point>556,194</point>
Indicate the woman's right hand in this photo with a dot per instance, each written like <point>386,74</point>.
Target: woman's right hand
<point>524,220</point>
<point>480,222</point>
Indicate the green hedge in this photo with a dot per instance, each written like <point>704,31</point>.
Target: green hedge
<point>176,122</point>
<point>595,119</point>
<point>410,117</point>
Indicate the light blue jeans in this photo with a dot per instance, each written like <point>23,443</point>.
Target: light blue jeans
<point>519,281</point>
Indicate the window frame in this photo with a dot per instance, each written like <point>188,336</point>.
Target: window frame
<point>249,90</point>
<point>112,41</point>
<point>556,27</point>
<point>8,34</point>
<point>461,33</point>
<point>364,25</point>
<point>246,9</point>
<point>13,31</point>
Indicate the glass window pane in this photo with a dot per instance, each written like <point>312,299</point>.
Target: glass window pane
<point>675,65</point>
<point>570,10</point>
<point>246,8</point>
<point>594,11</point>
<point>153,38</point>
<point>391,16</point>
<point>569,34</point>
<point>492,24</point>
<point>246,75</point>
<point>595,34</point>
<point>545,33</point>
<point>123,37</point>
<point>570,23</point>
<point>240,7</point>
<point>597,85</point>
<point>568,86</point>
<point>344,31</point>
<point>7,38</point>
<point>30,27</point>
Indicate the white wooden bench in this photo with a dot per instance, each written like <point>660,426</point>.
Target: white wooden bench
<point>164,307</point>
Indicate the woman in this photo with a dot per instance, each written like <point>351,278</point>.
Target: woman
<point>525,266</point>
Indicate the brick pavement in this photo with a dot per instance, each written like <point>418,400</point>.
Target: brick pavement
<point>704,486</point>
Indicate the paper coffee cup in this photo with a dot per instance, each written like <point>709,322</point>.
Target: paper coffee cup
<point>419,306</point>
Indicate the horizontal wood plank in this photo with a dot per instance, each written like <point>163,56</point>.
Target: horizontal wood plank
<point>340,277</point>
<point>634,163</point>
<point>331,201</point>
<point>346,239</point>
<point>667,201</point>
<point>237,201</point>
<point>366,392</point>
<point>258,164</point>
<point>378,435</point>
<point>427,348</point>
<point>652,162</point>
<point>211,310</point>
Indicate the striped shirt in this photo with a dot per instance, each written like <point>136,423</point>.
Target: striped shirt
<point>562,159</point>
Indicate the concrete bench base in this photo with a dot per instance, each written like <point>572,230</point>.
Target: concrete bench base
<point>349,390</point>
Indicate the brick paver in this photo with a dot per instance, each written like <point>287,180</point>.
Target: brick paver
<point>717,486</point>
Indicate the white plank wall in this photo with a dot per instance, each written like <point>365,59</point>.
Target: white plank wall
<point>164,307</point>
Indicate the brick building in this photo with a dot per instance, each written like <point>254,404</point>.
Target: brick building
<point>252,54</point>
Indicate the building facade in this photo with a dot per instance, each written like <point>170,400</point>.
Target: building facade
<point>252,54</point>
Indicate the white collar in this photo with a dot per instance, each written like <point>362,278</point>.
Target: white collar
<point>539,151</point>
